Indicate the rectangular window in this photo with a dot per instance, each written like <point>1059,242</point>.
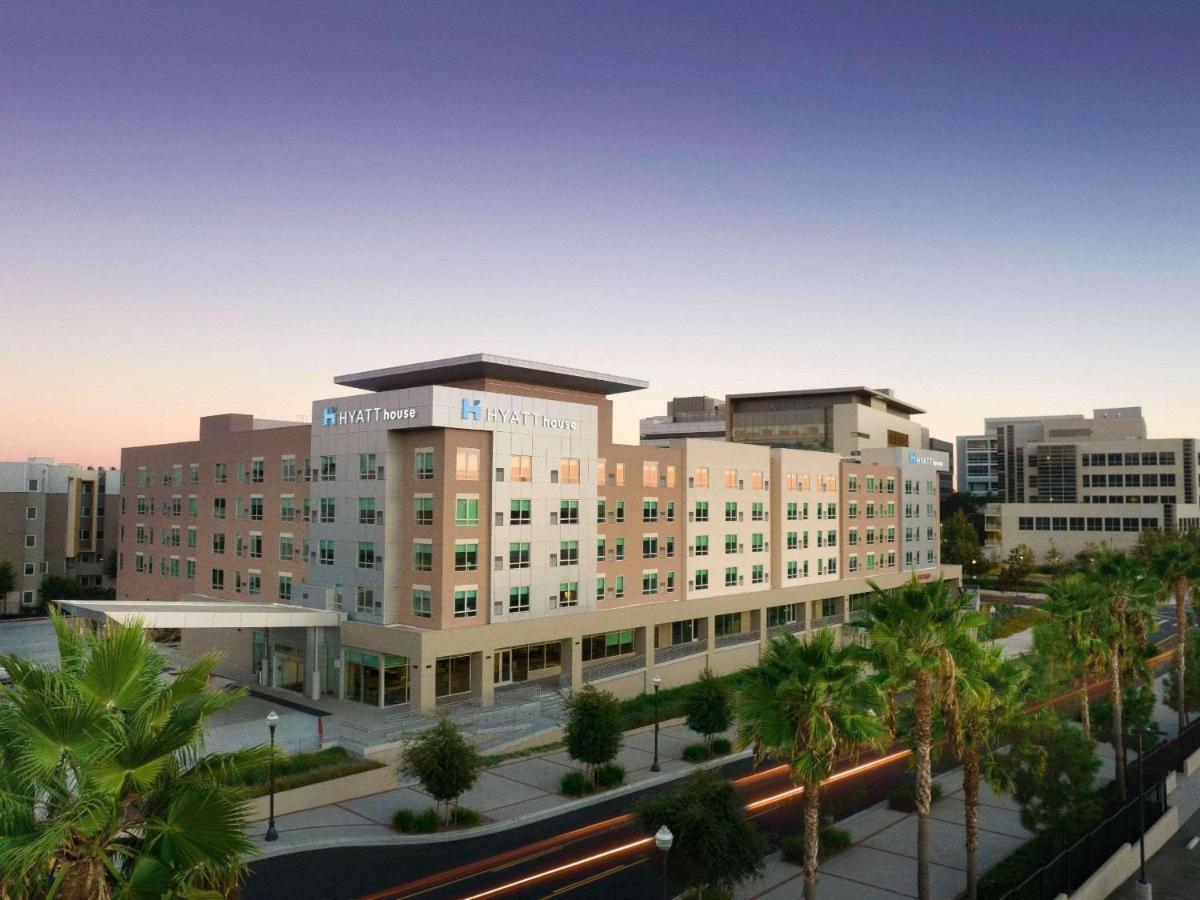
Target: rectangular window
<point>218,579</point>
<point>731,478</point>
<point>518,599</point>
<point>422,556</point>
<point>328,468</point>
<point>568,593</point>
<point>367,469</point>
<point>568,471</point>
<point>649,583</point>
<point>423,508</point>
<point>422,603</point>
<point>756,481</point>
<point>568,553</point>
<point>518,555</point>
<point>258,471</point>
<point>700,477</point>
<point>731,512</point>
<point>466,466</point>
<point>701,510</point>
<point>757,543</point>
<point>701,546</point>
<point>519,512</point>
<point>423,464</point>
<point>466,602</point>
<point>325,555</point>
<point>731,576</point>
<point>466,511</point>
<point>286,547</point>
<point>364,600</point>
<point>328,510</point>
<point>568,512</point>
<point>757,574</point>
<point>218,507</point>
<point>367,514</point>
<point>520,468</point>
<point>218,543</point>
<point>649,510</point>
<point>757,512</point>
<point>466,557</point>
<point>649,546</point>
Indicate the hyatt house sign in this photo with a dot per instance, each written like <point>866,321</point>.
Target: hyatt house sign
<point>331,416</point>
<point>472,411</point>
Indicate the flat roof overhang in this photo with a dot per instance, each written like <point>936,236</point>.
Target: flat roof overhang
<point>487,365</point>
<point>818,392</point>
<point>203,613</point>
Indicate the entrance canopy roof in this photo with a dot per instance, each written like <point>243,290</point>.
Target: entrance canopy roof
<point>202,612</point>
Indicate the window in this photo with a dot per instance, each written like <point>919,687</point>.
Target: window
<point>422,602</point>
<point>423,507</point>
<point>30,541</point>
<point>568,593</point>
<point>701,510</point>
<point>466,465</point>
<point>423,464</point>
<point>700,477</point>
<point>367,514</point>
<point>756,481</point>
<point>328,510</point>
<point>568,471</point>
<point>602,646</point>
<point>757,512</point>
<point>258,471</point>
<point>649,510</point>
<point>367,469</point>
<point>253,580</point>
<point>731,576</point>
<point>218,579</point>
<point>568,512</point>
<point>518,555</point>
<point>793,512</point>
<point>518,599</point>
<point>422,556</point>
<point>218,507</point>
<point>731,512</point>
<point>568,553</point>
<point>619,590</point>
<point>520,468</point>
<point>466,511</point>
<point>325,555</point>
<point>218,543</point>
<point>286,547</point>
<point>649,473</point>
<point>649,546</point>
<point>731,478</point>
<point>466,602</point>
<point>727,623</point>
<point>619,474</point>
<point>254,550</point>
<point>466,557</point>
<point>328,468</point>
<point>601,508</point>
<point>701,579</point>
<point>31,512</point>
<point>599,587</point>
<point>220,473</point>
<point>519,512</point>
<point>649,583</point>
<point>601,472</point>
<point>191,537</point>
<point>757,543</point>
<point>731,543</point>
<point>364,600</point>
<point>757,574</point>
<point>793,569</point>
<point>620,516</point>
<point>701,546</point>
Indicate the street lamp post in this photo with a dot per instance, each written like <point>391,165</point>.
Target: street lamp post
<point>654,767</point>
<point>1142,888</point>
<point>272,834</point>
<point>663,839</point>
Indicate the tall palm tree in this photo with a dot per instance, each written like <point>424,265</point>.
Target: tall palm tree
<point>991,700</point>
<point>1122,626</point>
<point>809,703</point>
<point>919,634</point>
<point>104,787</point>
<point>1174,558</point>
<point>1073,603</point>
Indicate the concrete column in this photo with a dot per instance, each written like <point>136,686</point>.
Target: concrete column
<point>422,692</point>
<point>313,646</point>
<point>482,685</point>
<point>572,661</point>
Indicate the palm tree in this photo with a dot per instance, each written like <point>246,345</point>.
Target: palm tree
<point>919,634</point>
<point>991,699</point>
<point>809,703</point>
<point>1174,558</point>
<point>1073,603</point>
<point>104,787</point>
<point>1122,626</point>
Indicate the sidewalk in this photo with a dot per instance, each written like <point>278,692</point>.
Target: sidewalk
<point>511,793</point>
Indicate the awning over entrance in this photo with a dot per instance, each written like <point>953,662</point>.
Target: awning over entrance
<point>200,612</point>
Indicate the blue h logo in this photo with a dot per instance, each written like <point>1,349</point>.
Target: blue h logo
<point>329,416</point>
<point>470,409</point>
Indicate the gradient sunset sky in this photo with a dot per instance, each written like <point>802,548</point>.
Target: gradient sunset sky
<point>992,208</point>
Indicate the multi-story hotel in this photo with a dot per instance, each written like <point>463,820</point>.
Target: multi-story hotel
<point>464,525</point>
<point>52,522</point>
<point>1067,483</point>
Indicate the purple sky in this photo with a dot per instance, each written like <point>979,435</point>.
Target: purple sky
<point>991,208</point>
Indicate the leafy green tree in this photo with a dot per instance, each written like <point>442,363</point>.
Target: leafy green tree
<point>1191,679</point>
<point>593,732</point>
<point>1052,768</point>
<point>110,563</point>
<point>58,587</point>
<point>716,845</point>
<point>920,634</point>
<point>709,708</point>
<point>445,762</point>
<point>1121,626</point>
<point>1174,558</point>
<point>105,790</point>
<point>1075,603</point>
<point>1016,568</point>
<point>960,542</point>
<point>991,707</point>
<point>809,703</point>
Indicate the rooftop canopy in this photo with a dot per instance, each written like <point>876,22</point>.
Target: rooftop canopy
<point>200,612</point>
<point>841,394</point>
<point>487,365</point>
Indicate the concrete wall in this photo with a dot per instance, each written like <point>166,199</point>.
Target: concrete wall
<point>360,784</point>
<point>1125,861</point>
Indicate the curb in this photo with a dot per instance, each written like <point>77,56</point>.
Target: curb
<point>267,851</point>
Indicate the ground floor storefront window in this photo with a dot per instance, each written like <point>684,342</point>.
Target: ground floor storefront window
<point>369,673</point>
<point>516,664</point>
<point>452,675</point>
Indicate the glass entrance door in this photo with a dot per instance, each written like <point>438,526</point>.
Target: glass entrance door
<point>503,666</point>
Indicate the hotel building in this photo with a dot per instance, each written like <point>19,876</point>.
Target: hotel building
<point>462,526</point>
<point>52,522</point>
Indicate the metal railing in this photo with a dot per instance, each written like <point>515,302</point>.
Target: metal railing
<point>620,667</point>
<point>785,628</point>
<point>679,651</point>
<point>822,621</point>
<point>856,615</point>
<point>741,637</point>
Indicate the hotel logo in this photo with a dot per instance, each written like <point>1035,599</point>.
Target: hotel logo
<point>329,416</point>
<point>470,409</point>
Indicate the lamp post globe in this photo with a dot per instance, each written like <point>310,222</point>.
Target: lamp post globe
<point>663,839</point>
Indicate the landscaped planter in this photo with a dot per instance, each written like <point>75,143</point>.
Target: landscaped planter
<point>360,784</point>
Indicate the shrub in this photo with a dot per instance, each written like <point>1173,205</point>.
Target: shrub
<point>696,753</point>
<point>721,746</point>
<point>593,731</point>
<point>610,775</point>
<point>903,797</point>
<point>305,768</point>
<point>408,822</point>
<point>709,707</point>
<point>464,817</point>
<point>575,784</point>
<point>831,842</point>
